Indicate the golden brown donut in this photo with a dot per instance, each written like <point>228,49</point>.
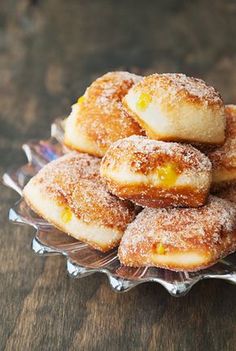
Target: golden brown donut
<point>224,158</point>
<point>174,107</point>
<point>180,239</point>
<point>155,173</point>
<point>69,194</point>
<point>99,117</point>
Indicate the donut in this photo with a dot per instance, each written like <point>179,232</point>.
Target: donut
<point>228,193</point>
<point>174,107</point>
<point>223,159</point>
<point>99,117</point>
<point>156,173</point>
<point>180,239</point>
<point>69,194</point>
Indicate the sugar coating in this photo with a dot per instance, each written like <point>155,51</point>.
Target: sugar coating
<point>174,107</point>
<point>183,228</point>
<point>107,91</point>
<point>101,117</point>
<point>74,181</point>
<point>225,156</point>
<point>69,169</point>
<point>179,86</point>
<point>156,173</point>
<point>145,149</point>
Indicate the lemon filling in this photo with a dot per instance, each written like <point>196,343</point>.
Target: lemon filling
<point>167,174</point>
<point>143,101</point>
<point>66,215</point>
<point>81,99</point>
<point>160,249</point>
<point>157,251</point>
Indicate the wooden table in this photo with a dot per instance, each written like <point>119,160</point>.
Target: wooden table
<point>49,52</point>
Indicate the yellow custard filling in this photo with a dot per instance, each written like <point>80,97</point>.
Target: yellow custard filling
<point>66,215</point>
<point>81,99</point>
<point>143,101</point>
<point>167,174</point>
<point>160,249</point>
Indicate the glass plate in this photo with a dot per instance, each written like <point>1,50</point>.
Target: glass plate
<point>81,259</point>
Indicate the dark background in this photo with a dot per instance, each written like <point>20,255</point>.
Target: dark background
<point>49,52</point>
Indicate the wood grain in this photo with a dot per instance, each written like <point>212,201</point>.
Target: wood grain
<point>49,52</point>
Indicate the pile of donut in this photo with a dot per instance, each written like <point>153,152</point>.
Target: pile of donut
<point>150,166</point>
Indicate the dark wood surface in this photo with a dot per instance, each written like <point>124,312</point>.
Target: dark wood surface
<point>49,52</point>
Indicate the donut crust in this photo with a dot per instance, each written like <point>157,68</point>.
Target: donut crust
<point>180,239</point>
<point>99,117</point>
<point>69,194</point>
<point>223,159</point>
<point>174,107</point>
<point>130,169</point>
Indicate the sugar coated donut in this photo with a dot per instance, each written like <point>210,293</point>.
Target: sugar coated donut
<point>224,158</point>
<point>181,239</point>
<point>99,117</point>
<point>155,173</point>
<point>174,107</point>
<point>68,193</point>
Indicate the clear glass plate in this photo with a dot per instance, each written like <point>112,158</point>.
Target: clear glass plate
<point>81,259</point>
